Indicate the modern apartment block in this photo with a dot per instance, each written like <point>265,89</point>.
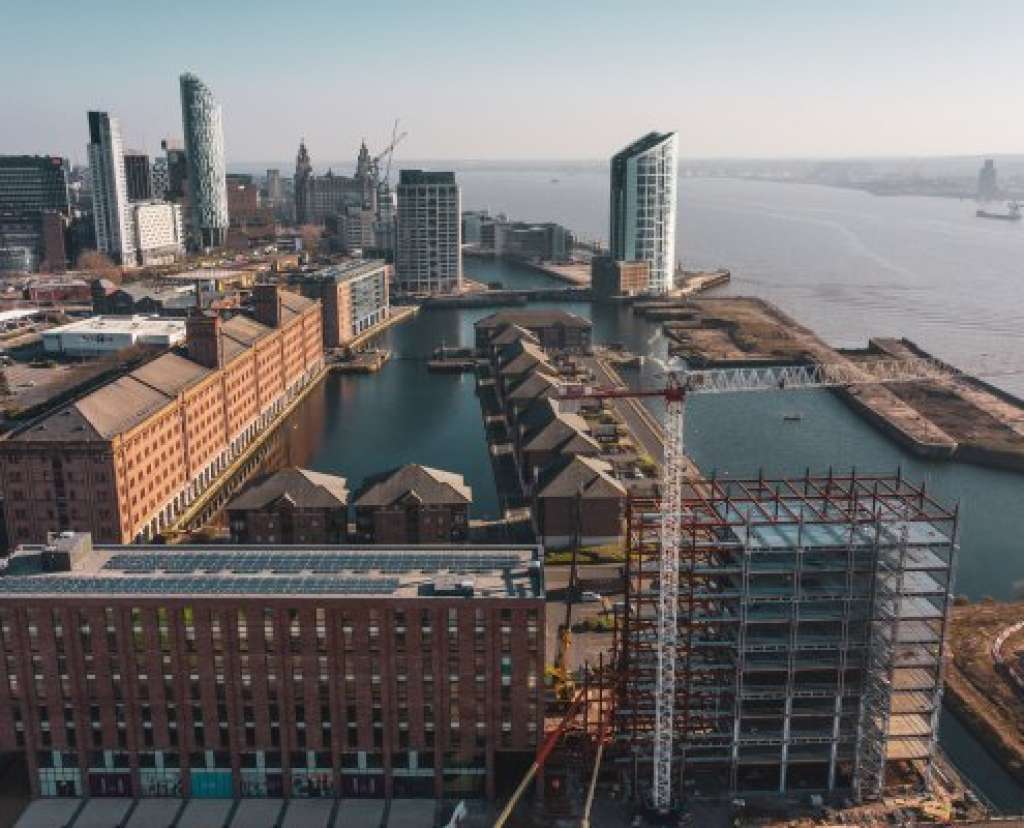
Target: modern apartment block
<point>271,671</point>
<point>812,613</point>
<point>202,121</point>
<point>643,206</point>
<point>354,296</point>
<point>159,234</point>
<point>124,461</point>
<point>111,213</point>
<point>428,256</point>
<point>138,178</point>
<point>610,278</point>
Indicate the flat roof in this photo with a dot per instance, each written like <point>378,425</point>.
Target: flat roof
<point>335,571</point>
<point>18,313</point>
<point>347,271</point>
<point>123,324</point>
<point>214,273</point>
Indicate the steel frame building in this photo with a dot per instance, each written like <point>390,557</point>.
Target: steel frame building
<point>811,618</point>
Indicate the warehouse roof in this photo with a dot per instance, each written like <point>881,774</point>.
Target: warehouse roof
<point>70,565</point>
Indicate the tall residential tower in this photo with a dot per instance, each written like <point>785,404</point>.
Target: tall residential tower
<point>428,257</point>
<point>643,206</point>
<point>204,147</point>
<point>113,220</point>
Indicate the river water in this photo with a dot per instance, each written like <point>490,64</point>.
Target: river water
<point>848,264</point>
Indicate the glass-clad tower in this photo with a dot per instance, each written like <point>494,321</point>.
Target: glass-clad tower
<point>112,218</point>
<point>204,148</point>
<point>643,206</point>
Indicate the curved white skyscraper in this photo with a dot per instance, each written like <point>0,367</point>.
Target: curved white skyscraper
<point>643,206</point>
<point>204,150</point>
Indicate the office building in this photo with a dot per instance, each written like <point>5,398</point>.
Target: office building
<point>643,206</point>
<point>159,177</point>
<point>428,247</point>
<point>291,506</point>
<point>812,614</point>
<point>111,215</point>
<point>159,234</point>
<point>291,672</point>
<point>125,460</point>
<point>177,170</point>
<point>137,176</point>
<point>100,335</point>
<point>413,504</point>
<point>988,181</point>
<point>545,241</point>
<point>354,296</point>
<point>202,122</point>
<point>34,184</point>
<point>320,196</point>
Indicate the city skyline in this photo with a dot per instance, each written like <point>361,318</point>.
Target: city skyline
<point>792,81</point>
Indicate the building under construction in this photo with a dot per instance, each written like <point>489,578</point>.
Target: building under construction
<point>811,616</point>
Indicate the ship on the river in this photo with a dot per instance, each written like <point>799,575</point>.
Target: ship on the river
<point>1013,212</point>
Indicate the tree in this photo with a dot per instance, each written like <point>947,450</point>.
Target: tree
<point>311,234</point>
<point>99,264</point>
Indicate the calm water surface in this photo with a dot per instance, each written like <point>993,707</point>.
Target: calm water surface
<point>848,264</point>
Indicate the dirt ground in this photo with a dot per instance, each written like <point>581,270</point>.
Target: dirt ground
<point>985,698</point>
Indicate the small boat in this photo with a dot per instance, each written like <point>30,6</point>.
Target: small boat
<point>792,418</point>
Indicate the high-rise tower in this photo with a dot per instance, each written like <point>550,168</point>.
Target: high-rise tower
<point>303,173</point>
<point>204,148</point>
<point>428,256</point>
<point>113,222</point>
<point>643,206</point>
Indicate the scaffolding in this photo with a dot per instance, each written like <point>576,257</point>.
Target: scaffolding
<point>811,615</point>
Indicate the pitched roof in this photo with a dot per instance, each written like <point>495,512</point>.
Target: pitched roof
<point>293,304</point>
<point>571,475</point>
<point>528,358</point>
<point>514,333</point>
<point>307,489</point>
<point>533,318</point>
<point>533,385</point>
<point>427,484</point>
<point>170,373</point>
<point>565,427</point>
<point>539,412</point>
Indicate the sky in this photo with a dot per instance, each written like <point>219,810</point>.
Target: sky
<point>523,80</point>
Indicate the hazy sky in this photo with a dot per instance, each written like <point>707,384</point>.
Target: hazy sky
<point>524,79</point>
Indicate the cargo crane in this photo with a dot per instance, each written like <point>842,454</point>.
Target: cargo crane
<point>680,383</point>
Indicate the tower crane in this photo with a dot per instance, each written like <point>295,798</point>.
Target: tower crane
<point>680,383</point>
<point>396,139</point>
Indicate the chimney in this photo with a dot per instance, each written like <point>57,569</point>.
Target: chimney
<point>204,340</point>
<point>266,301</point>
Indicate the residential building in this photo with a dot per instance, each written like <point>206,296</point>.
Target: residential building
<point>137,176</point>
<point>160,177</point>
<point>177,170</point>
<point>988,182</point>
<point>643,206</point>
<point>610,278</point>
<point>244,204</point>
<point>428,254</point>
<point>576,496</point>
<point>125,460</point>
<point>291,506</point>
<point>111,214</point>
<point>269,671</point>
<point>202,121</point>
<point>554,330</point>
<point>354,296</point>
<point>413,504</point>
<point>159,234</point>
<point>540,444</point>
<point>101,335</point>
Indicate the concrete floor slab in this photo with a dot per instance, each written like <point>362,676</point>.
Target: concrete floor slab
<point>366,813</point>
<point>48,813</point>
<point>155,812</point>
<point>257,813</point>
<point>308,813</point>
<point>103,813</point>
<point>411,813</point>
<point>205,813</point>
